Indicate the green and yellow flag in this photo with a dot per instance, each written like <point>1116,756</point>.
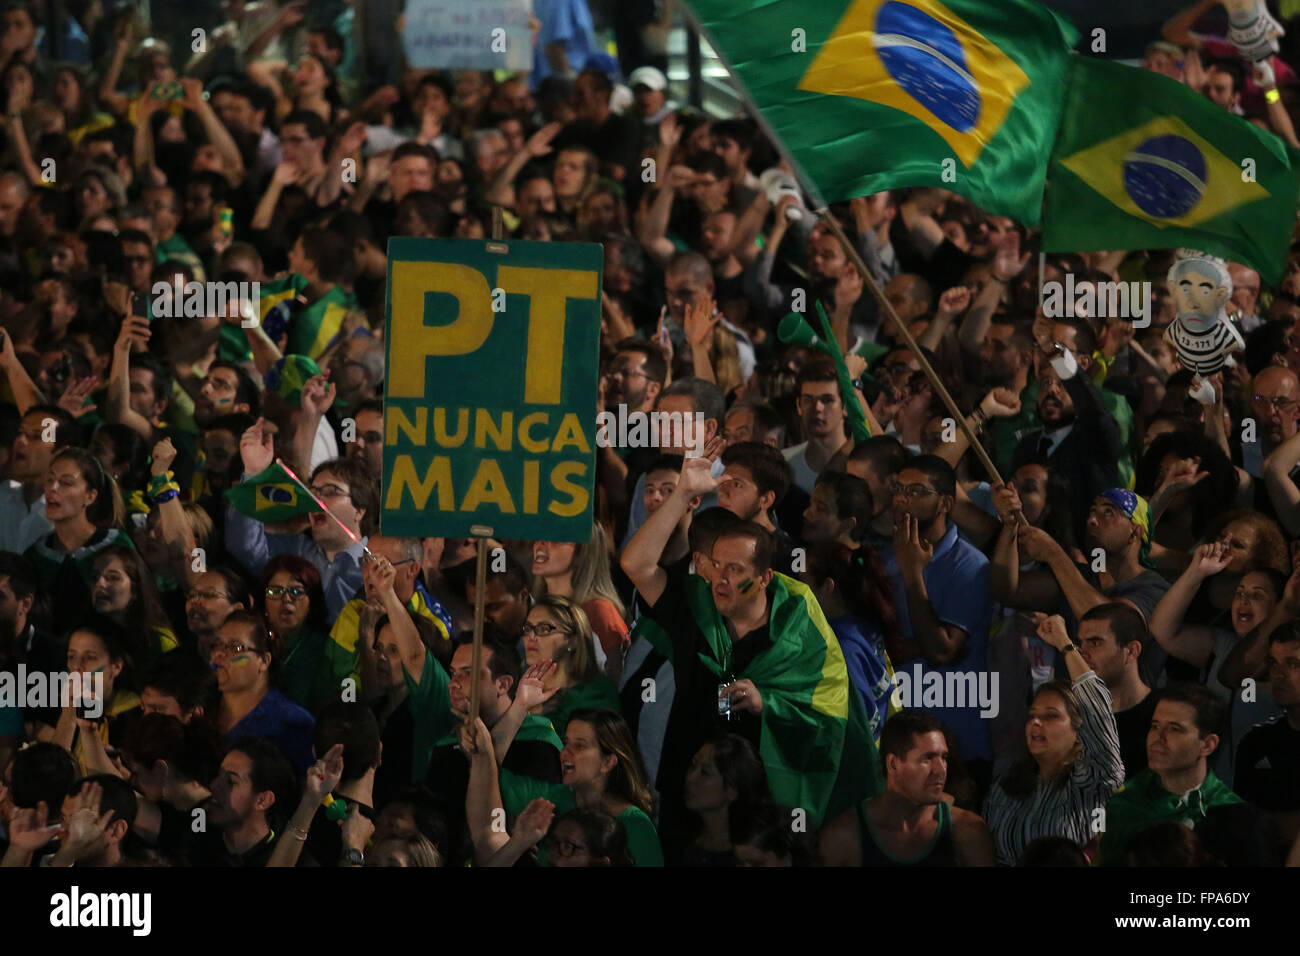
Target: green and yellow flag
<point>869,95</point>
<point>816,743</point>
<point>271,496</point>
<point>1143,162</point>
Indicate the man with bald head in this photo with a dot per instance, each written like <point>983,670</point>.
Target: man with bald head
<point>1275,403</point>
<point>13,196</point>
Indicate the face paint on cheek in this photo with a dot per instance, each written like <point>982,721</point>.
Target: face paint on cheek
<point>745,586</point>
<point>239,660</point>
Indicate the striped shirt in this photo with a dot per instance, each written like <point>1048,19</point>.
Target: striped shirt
<point>1068,810</point>
<point>1204,352</point>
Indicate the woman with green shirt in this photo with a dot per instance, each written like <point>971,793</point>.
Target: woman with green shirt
<point>601,770</point>
<point>558,630</point>
<point>292,601</point>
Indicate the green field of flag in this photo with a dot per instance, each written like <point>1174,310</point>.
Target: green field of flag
<point>1144,162</point>
<point>271,496</point>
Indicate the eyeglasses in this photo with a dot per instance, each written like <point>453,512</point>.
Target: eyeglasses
<point>205,596</point>
<point>1279,402</point>
<point>294,593</point>
<point>329,491</point>
<point>626,373</point>
<point>912,491</point>
<point>544,629</point>
<point>565,849</point>
<point>232,648</point>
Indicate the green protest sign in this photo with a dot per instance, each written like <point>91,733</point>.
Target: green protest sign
<point>490,400</point>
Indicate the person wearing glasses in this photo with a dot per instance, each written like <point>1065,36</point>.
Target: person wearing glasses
<point>941,591</point>
<point>1275,457</point>
<point>335,547</point>
<point>559,630</point>
<point>293,605</point>
<point>822,413</point>
<point>244,659</point>
<point>213,596</point>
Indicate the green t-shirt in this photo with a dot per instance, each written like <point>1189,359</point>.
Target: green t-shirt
<point>642,837</point>
<point>598,693</point>
<point>430,703</point>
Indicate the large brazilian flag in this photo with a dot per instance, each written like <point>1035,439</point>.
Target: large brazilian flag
<point>868,95</point>
<point>1143,162</point>
<point>816,742</point>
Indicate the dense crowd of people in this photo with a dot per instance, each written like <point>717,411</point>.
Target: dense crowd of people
<point>783,644</point>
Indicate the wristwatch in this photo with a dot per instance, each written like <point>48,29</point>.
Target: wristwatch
<point>353,857</point>
<point>1071,646</point>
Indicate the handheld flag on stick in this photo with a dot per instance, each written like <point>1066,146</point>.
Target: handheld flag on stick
<point>271,496</point>
<point>346,530</point>
<point>795,331</point>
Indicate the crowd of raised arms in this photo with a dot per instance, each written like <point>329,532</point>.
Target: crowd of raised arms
<point>782,644</point>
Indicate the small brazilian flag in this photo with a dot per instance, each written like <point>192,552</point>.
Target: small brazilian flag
<point>271,496</point>
<point>869,95</point>
<point>1143,162</point>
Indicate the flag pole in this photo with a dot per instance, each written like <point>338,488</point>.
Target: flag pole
<point>481,533</point>
<point>931,375</point>
<point>823,211</point>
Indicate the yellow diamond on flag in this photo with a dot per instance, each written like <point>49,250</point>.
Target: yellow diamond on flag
<point>922,59</point>
<point>1165,173</point>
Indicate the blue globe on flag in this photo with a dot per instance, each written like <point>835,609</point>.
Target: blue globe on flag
<point>1165,176</point>
<point>926,59</point>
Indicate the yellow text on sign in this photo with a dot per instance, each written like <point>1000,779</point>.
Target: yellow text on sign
<point>413,342</point>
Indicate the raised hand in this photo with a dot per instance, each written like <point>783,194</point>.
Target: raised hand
<point>699,323</point>
<point>532,691</point>
<point>73,399</point>
<point>256,448</point>
<point>534,821</point>
<point>1000,403</point>
<point>318,395</point>
<point>1211,558</point>
<point>324,775</point>
<point>28,829</point>
<point>539,144</point>
<point>697,473</point>
<point>1182,474</point>
<point>1008,262</point>
<point>955,301</point>
<point>670,131</point>
<point>1052,630</point>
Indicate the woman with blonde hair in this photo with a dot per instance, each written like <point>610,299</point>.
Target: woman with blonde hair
<point>581,572</point>
<point>562,675</point>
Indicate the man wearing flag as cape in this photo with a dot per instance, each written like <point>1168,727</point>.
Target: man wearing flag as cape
<point>749,641</point>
